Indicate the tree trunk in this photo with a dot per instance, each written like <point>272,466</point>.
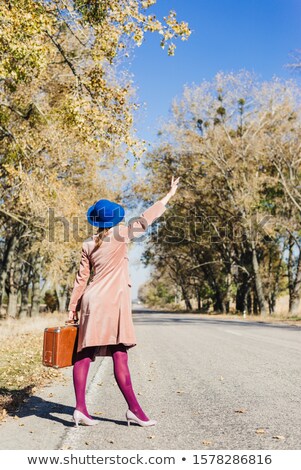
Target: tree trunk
<point>25,291</point>
<point>61,292</point>
<point>242,294</point>
<point>275,289</point>
<point>24,303</point>
<point>6,263</point>
<point>36,289</point>
<point>199,299</point>
<point>258,283</point>
<point>46,286</point>
<point>294,300</point>
<point>24,312</point>
<point>250,302</point>
<point>12,306</point>
<point>290,268</point>
<point>218,302</point>
<point>255,304</point>
<point>228,291</point>
<point>217,298</point>
<point>14,281</point>
<point>186,298</point>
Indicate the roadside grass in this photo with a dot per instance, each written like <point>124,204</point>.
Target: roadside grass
<point>281,318</point>
<point>21,369</point>
<point>294,318</point>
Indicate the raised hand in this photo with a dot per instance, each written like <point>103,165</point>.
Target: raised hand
<point>172,191</point>
<point>174,185</point>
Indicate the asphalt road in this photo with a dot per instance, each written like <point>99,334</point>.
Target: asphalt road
<point>210,384</point>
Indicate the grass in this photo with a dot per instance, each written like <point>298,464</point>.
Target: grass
<point>21,369</point>
<point>281,318</point>
<point>294,318</point>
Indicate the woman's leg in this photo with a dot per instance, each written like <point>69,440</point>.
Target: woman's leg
<point>80,374</point>
<point>123,379</point>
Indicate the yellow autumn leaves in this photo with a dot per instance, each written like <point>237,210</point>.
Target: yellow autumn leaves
<point>66,117</point>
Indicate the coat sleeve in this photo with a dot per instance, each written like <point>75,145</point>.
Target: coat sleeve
<point>81,279</point>
<point>139,225</point>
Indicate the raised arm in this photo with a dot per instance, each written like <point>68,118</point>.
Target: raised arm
<point>140,224</point>
<point>80,282</point>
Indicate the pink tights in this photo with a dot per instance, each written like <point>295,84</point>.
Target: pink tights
<point>121,373</point>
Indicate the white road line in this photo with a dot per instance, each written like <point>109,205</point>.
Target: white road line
<point>233,332</point>
<point>74,436</point>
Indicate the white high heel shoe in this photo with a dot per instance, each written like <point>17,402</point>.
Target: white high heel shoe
<point>79,417</point>
<point>132,418</point>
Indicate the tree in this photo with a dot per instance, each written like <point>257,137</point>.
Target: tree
<point>235,144</point>
<point>66,120</point>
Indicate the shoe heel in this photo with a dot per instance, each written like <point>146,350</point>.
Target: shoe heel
<point>79,417</point>
<point>132,418</point>
<point>75,422</point>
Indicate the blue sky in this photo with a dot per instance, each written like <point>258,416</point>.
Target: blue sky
<point>227,35</point>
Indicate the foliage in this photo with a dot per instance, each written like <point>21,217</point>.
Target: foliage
<point>157,293</point>
<point>51,301</point>
<point>235,142</point>
<point>66,124</point>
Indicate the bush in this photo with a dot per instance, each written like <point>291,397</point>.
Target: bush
<point>51,301</point>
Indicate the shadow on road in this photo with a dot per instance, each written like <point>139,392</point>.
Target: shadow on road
<point>37,406</point>
<point>157,317</point>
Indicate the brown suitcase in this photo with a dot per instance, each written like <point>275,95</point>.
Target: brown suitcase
<point>60,346</point>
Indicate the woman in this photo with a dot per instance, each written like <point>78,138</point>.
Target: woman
<point>106,326</point>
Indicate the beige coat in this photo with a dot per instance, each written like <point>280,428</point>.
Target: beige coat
<point>105,302</point>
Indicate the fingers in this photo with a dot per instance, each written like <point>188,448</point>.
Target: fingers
<point>72,316</point>
<point>173,181</point>
<point>174,184</point>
